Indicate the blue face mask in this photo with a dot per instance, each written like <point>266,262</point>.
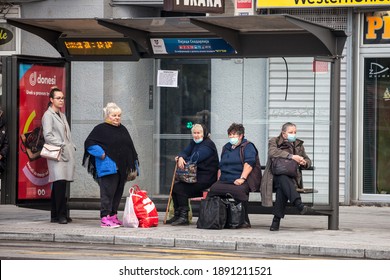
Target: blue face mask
<point>233,140</point>
<point>291,137</point>
<point>197,141</point>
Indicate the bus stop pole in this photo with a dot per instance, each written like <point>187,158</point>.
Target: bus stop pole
<point>334,144</point>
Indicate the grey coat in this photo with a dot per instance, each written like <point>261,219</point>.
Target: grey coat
<point>266,187</point>
<point>56,132</point>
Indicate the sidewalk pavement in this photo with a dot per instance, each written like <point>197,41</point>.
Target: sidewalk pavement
<point>364,233</point>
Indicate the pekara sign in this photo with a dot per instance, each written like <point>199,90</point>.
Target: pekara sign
<point>195,6</point>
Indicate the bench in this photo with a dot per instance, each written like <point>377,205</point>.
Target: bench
<point>255,206</point>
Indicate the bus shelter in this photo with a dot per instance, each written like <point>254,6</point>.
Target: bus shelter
<point>260,36</point>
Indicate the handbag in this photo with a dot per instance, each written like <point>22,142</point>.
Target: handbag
<point>129,217</point>
<point>144,208</point>
<point>284,166</point>
<point>235,212</point>
<point>32,143</point>
<point>189,172</point>
<point>212,213</point>
<point>132,174</point>
<point>51,152</point>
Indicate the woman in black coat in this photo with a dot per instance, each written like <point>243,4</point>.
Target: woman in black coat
<point>4,145</point>
<point>203,150</point>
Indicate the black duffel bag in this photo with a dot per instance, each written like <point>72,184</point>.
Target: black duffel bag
<point>212,213</point>
<point>235,212</point>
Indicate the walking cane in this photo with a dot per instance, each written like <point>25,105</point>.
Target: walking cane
<point>170,193</point>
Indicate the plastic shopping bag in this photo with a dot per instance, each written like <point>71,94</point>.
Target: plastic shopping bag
<point>129,217</point>
<point>144,207</point>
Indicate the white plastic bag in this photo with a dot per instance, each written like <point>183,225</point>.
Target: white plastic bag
<point>129,217</point>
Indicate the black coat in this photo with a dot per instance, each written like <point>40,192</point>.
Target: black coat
<point>4,144</point>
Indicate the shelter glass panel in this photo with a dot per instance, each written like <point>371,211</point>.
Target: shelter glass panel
<point>262,94</point>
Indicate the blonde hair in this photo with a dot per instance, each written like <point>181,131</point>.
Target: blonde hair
<point>111,108</point>
<point>197,126</point>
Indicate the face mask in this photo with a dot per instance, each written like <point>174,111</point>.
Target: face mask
<point>233,140</point>
<point>197,141</point>
<point>291,137</point>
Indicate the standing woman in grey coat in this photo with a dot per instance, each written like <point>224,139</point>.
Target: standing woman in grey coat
<point>56,132</point>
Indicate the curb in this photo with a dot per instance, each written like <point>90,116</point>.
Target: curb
<point>251,246</point>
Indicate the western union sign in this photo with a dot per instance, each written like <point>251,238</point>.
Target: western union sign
<point>318,3</point>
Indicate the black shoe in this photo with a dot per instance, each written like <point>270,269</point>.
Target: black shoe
<point>245,225</point>
<point>302,209</point>
<point>275,224</point>
<point>62,220</point>
<point>181,222</point>
<point>171,220</point>
<point>55,220</point>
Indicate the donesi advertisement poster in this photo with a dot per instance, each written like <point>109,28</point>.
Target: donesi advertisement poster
<point>35,83</point>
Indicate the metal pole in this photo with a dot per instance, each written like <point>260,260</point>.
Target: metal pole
<point>334,144</point>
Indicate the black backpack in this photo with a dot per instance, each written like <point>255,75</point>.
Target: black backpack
<point>254,178</point>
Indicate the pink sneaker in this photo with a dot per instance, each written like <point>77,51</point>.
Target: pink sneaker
<point>108,223</point>
<point>115,220</point>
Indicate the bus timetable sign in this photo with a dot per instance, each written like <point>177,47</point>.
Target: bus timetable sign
<point>195,6</point>
<point>191,46</point>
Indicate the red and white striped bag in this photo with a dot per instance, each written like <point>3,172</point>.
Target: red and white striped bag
<point>144,207</point>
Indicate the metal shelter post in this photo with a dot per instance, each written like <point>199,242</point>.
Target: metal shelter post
<point>334,144</point>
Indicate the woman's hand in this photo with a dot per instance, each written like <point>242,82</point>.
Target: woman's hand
<point>180,162</point>
<point>300,160</point>
<point>239,181</point>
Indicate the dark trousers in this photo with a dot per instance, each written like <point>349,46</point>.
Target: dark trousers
<point>183,191</point>
<point>284,187</point>
<point>58,200</point>
<point>111,190</point>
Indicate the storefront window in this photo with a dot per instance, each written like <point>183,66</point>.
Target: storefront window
<point>376,132</point>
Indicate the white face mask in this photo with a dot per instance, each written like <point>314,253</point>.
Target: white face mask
<point>291,137</point>
<point>233,140</point>
<point>197,141</point>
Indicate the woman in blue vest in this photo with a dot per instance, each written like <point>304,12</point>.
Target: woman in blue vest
<point>235,170</point>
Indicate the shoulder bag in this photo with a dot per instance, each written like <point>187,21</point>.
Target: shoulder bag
<point>51,152</point>
<point>254,178</point>
<point>284,166</point>
<point>189,172</point>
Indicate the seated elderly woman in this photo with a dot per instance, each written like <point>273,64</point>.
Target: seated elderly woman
<point>234,171</point>
<point>207,168</point>
<point>286,145</point>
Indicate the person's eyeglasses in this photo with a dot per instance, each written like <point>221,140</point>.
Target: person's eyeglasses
<point>59,98</point>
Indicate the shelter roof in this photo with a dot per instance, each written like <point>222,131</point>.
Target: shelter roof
<point>249,36</point>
